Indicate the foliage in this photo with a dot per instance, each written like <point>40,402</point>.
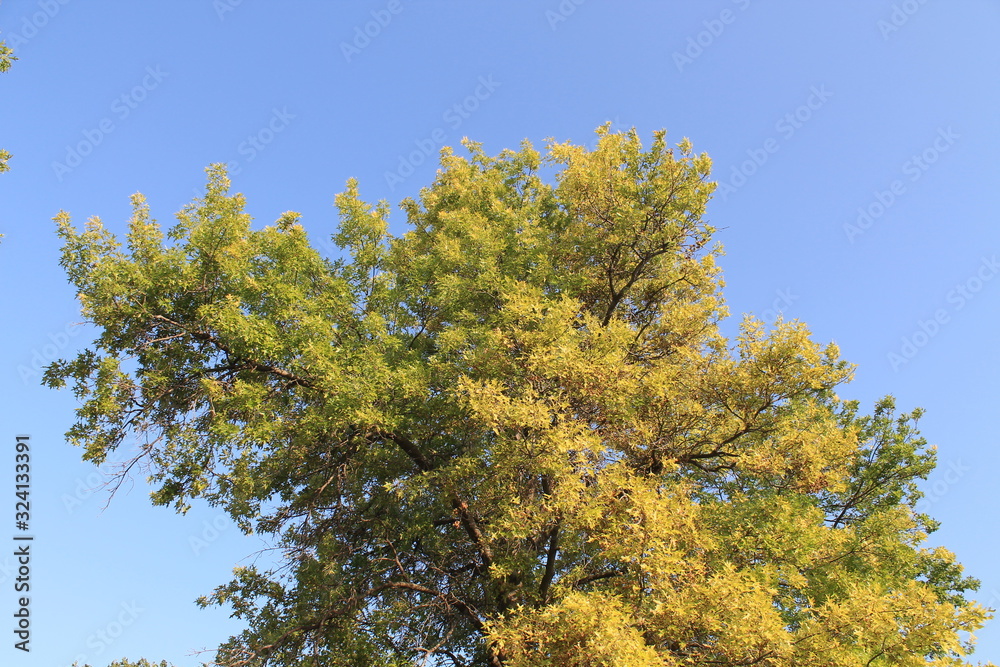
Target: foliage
<point>513,435</point>
<point>6,58</point>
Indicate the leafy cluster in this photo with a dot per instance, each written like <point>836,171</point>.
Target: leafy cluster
<point>514,435</point>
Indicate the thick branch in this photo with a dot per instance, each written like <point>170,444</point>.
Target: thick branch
<point>550,558</point>
<point>292,378</point>
<point>447,598</point>
<point>607,574</point>
<point>409,448</point>
<point>465,516</point>
<point>472,528</point>
<point>550,563</point>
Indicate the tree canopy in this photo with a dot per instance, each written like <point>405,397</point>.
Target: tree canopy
<point>513,435</point>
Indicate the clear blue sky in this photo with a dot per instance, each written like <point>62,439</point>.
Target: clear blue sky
<point>857,142</point>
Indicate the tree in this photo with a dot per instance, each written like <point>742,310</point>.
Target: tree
<point>513,435</point>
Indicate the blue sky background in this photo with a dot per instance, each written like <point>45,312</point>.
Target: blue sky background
<point>814,113</point>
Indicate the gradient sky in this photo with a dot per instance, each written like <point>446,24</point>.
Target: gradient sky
<point>855,143</point>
